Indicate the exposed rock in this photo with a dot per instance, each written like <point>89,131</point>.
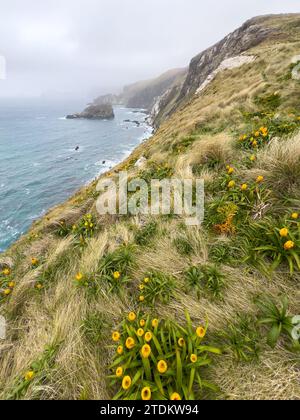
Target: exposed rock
<point>249,35</point>
<point>141,162</point>
<point>95,112</point>
<point>229,63</point>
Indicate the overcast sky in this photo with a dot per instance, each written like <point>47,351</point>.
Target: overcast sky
<point>87,47</point>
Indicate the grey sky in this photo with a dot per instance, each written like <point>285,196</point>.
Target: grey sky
<point>86,47</point>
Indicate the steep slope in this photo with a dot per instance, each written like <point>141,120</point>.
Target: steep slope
<point>144,94</point>
<point>72,280</point>
<point>252,33</point>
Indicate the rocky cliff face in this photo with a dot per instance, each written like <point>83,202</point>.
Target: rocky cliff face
<point>252,33</point>
<point>145,94</point>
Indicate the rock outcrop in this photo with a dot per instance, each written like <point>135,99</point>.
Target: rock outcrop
<point>95,112</point>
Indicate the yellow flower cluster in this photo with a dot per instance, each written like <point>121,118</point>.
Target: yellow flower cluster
<point>140,338</point>
<point>288,245</point>
<point>7,284</point>
<point>142,287</point>
<point>256,138</point>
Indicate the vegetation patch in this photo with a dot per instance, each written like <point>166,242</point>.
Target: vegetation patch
<point>160,360</point>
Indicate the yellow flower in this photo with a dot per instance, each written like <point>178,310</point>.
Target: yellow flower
<point>126,383</point>
<point>120,350</point>
<point>260,179</point>
<point>162,366</point>
<point>146,351</point>
<point>119,372</point>
<point>244,187</point>
<point>289,245</point>
<point>295,216</point>
<point>141,287</point>
<point>89,216</point>
<point>7,292</point>
<point>86,224</point>
<point>130,343</point>
<point>6,271</point>
<point>253,158</point>
<point>39,286</point>
<point>230,170</point>
<point>194,358</point>
<point>146,280</point>
<point>11,284</point>
<point>117,275</point>
<point>175,397</point>
<point>257,134</point>
<point>132,316</point>
<point>284,232</point>
<point>201,332</point>
<point>155,323</point>
<point>146,394</point>
<point>29,375</point>
<point>116,336</point>
<point>91,225</point>
<point>142,298</point>
<point>74,227</point>
<point>254,143</point>
<point>140,332</point>
<point>231,184</point>
<point>181,342</point>
<point>142,322</point>
<point>148,336</point>
<point>79,276</point>
<point>34,261</point>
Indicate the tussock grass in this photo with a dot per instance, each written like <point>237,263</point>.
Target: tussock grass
<point>64,317</point>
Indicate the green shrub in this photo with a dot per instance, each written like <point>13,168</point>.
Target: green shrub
<point>94,327</point>
<point>207,278</point>
<point>241,339</point>
<point>183,246</point>
<point>224,252</point>
<point>157,287</point>
<point>276,318</point>
<point>144,236</point>
<point>270,102</point>
<point>277,242</point>
<point>37,374</point>
<point>156,171</point>
<point>121,260</point>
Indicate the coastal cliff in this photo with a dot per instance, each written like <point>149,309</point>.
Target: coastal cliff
<point>128,306</point>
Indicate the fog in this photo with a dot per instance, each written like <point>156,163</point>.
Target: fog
<point>82,48</point>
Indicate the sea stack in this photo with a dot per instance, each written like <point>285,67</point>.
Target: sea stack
<point>95,112</point>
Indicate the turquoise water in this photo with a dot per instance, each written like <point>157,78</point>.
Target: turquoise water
<point>39,166</point>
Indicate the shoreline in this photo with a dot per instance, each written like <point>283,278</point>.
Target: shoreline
<point>149,132</point>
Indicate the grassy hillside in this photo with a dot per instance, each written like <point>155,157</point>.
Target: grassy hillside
<point>71,282</point>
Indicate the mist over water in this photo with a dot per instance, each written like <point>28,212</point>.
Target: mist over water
<point>39,166</point>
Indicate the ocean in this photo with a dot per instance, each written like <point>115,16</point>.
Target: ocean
<point>39,164</point>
